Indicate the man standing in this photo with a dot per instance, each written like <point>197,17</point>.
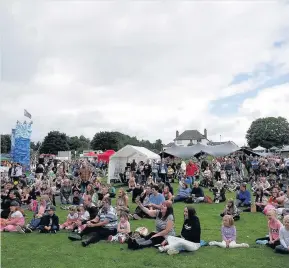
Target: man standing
<point>191,170</point>
<point>147,170</point>
<point>16,172</point>
<point>163,170</point>
<point>85,175</point>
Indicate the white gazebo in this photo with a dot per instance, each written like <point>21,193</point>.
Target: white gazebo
<point>259,149</point>
<point>118,161</point>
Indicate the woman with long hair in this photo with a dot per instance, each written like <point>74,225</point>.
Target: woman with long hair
<point>164,224</point>
<point>190,235</point>
<point>122,202</point>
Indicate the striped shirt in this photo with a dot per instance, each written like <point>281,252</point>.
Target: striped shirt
<point>110,216</point>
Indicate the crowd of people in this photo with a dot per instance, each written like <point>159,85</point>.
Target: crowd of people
<point>92,217</point>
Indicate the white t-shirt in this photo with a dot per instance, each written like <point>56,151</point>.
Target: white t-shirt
<point>73,216</point>
<point>16,214</point>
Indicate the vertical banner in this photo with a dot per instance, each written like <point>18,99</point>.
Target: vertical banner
<point>21,152</point>
<point>12,142</point>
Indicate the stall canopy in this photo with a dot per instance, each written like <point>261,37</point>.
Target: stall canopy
<point>190,151</point>
<point>125,155</point>
<point>259,149</point>
<point>90,154</point>
<point>106,155</point>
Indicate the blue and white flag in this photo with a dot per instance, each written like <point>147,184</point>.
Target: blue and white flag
<point>27,114</point>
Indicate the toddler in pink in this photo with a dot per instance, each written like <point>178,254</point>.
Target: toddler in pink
<point>72,217</point>
<point>15,219</point>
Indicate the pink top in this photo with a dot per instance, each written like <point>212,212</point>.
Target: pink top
<point>274,228</point>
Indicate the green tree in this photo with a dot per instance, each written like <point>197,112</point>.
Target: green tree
<point>5,143</point>
<point>116,140</point>
<point>35,146</point>
<point>84,143</point>
<point>158,145</point>
<point>54,142</point>
<point>74,143</point>
<point>268,132</point>
<point>105,141</point>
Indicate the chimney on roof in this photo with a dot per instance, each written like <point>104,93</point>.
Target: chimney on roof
<point>206,133</point>
<point>177,134</point>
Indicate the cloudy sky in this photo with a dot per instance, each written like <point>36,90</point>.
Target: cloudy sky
<point>145,68</point>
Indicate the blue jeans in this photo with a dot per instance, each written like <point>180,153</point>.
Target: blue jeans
<point>155,176</point>
<point>192,179</point>
<point>34,223</point>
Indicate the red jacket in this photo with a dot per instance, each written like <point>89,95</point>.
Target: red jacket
<point>191,170</point>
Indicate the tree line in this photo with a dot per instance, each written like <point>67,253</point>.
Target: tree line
<point>266,132</point>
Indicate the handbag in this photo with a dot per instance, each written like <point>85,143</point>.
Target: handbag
<point>136,239</point>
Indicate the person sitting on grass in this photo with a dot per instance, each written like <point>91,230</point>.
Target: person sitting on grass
<point>219,192</point>
<point>123,229</point>
<point>111,191</point>
<point>197,193</point>
<point>229,235</point>
<point>243,197</point>
<point>99,228</point>
<point>50,222</point>
<point>232,210</point>
<point>164,225</point>
<point>190,235</point>
<point>122,202</point>
<point>156,198</point>
<point>144,199</point>
<point>167,194</point>
<point>183,193</point>
<point>65,193</point>
<point>274,226</point>
<point>284,237</point>
<point>39,213</point>
<point>15,218</point>
<point>71,219</point>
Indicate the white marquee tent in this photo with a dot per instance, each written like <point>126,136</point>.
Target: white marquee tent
<point>259,149</point>
<point>118,161</point>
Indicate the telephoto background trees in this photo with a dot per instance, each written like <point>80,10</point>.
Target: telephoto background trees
<point>268,132</point>
<point>5,143</point>
<point>116,140</point>
<point>54,142</point>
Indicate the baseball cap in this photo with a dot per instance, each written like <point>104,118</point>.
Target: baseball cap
<point>51,208</point>
<point>14,204</point>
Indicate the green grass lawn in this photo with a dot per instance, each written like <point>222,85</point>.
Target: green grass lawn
<point>56,251</point>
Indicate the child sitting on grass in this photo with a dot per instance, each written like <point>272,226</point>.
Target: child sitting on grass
<point>14,220</point>
<point>274,226</point>
<point>229,235</point>
<point>232,210</point>
<point>83,217</point>
<point>284,237</point>
<point>50,222</point>
<point>123,229</point>
<point>70,220</point>
<point>111,191</point>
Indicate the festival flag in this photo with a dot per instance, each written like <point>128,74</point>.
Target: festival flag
<point>27,114</point>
